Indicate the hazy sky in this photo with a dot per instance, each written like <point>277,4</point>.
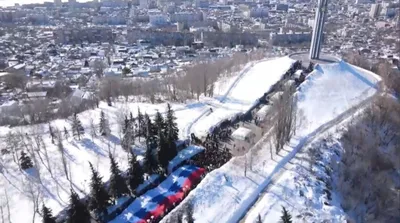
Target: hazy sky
<point>13,2</point>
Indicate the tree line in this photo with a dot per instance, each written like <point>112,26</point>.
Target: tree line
<point>187,83</point>
<point>371,155</point>
<point>160,137</point>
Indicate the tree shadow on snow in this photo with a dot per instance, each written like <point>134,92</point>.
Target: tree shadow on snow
<point>69,155</point>
<point>114,139</point>
<point>194,105</point>
<point>89,144</point>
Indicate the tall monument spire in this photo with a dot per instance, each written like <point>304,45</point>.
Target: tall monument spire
<point>317,35</point>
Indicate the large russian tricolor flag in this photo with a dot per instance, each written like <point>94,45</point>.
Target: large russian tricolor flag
<point>154,203</point>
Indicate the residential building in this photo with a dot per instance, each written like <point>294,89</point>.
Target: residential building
<point>144,4</point>
<point>158,19</point>
<point>57,3</point>
<point>186,17</point>
<point>375,10</point>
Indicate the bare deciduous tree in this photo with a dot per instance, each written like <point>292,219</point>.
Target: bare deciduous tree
<point>33,192</point>
<point>64,161</point>
<point>284,109</point>
<point>92,127</point>
<point>365,180</point>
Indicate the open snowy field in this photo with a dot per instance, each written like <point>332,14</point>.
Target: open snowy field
<point>325,99</point>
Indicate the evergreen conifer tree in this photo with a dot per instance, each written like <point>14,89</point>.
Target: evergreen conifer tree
<point>159,122</point>
<point>104,125</point>
<point>128,138</point>
<point>131,118</point>
<point>99,198</point>
<point>135,174</point>
<point>25,161</point>
<point>78,211</point>
<point>66,134</point>
<point>118,187</point>
<point>126,125</point>
<point>151,132</point>
<point>47,216</point>
<point>140,120</point>
<point>172,130</point>
<point>51,134</point>
<point>77,127</point>
<point>150,162</point>
<point>132,124</point>
<point>286,217</point>
<point>172,150</point>
<point>163,150</point>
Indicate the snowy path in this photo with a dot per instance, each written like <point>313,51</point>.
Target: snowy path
<point>237,80</point>
<point>211,103</point>
<point>187,130</point>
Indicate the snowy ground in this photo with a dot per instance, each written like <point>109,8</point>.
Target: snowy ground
<point>326,98</point>
<point>55,187</point>
<point>238,94</point>
<point>232,97</point>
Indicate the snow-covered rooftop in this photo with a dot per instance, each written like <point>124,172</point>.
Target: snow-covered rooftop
<point>241,133</point>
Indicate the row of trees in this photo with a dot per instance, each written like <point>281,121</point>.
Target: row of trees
<point>43,110</point>
<point>188,83</point>
<point>284,113</point>
<point>160,137</point>
<point>371,155</point>
<point>101,197</point>
<point>383,68</point>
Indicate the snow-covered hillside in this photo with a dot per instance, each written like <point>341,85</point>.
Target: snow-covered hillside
<point>325,98</point>
<point>232,98</point>
<point>55,188</point>
<point>329,96</point>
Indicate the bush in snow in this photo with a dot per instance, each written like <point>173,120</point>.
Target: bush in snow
<point>25,161</point>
